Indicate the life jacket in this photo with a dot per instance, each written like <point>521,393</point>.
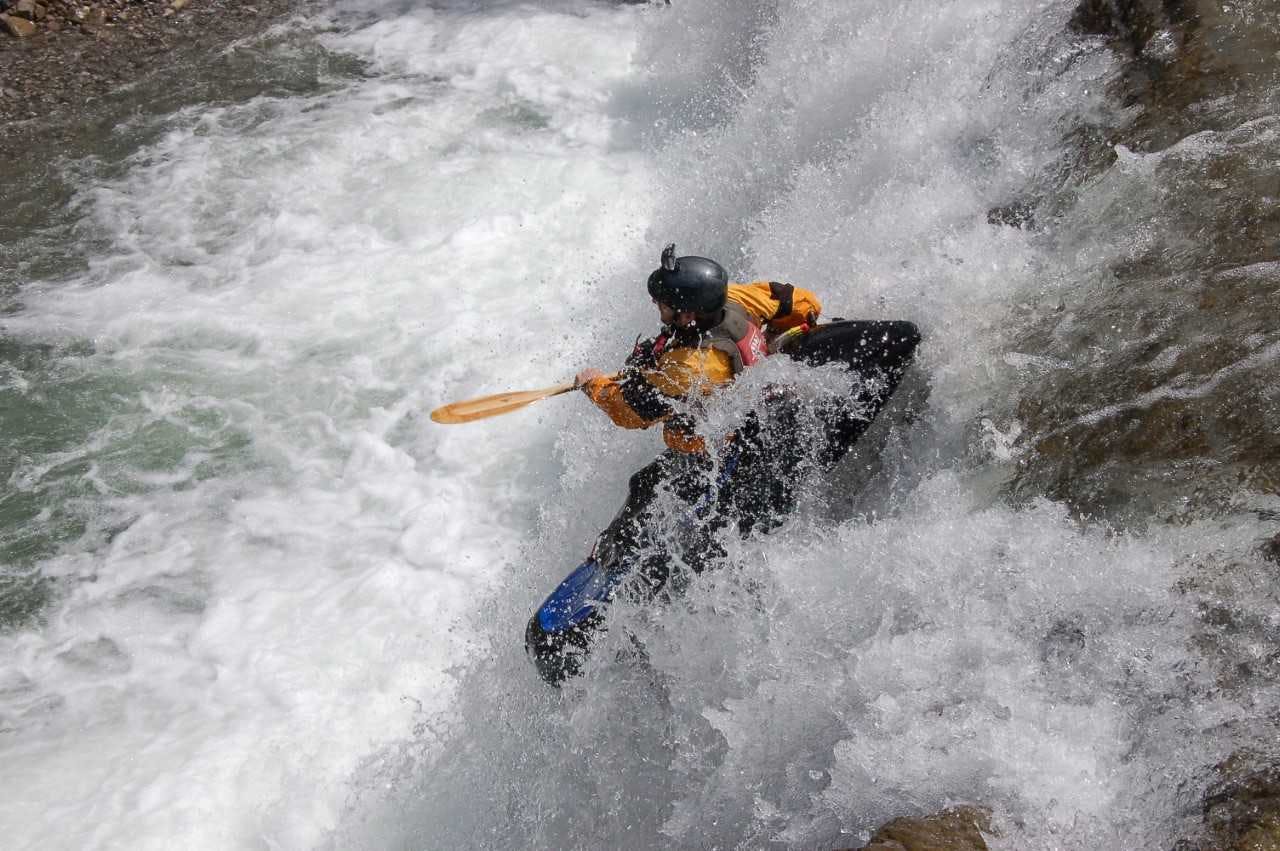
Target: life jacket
<point>737,335</point>
<point>677,363</point>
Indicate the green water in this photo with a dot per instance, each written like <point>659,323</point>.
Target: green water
<point>76,436</point>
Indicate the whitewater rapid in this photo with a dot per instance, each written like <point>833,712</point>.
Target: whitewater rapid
<point>294,615</point>
<point>283,552</point>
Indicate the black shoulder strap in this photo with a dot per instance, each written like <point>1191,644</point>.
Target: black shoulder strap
<point>785,294</point>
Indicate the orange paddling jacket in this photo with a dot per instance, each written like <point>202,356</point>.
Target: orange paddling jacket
<point>683,361</point>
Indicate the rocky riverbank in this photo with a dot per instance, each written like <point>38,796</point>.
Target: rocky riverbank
<point>1190,129</point>
<point>59,58</point>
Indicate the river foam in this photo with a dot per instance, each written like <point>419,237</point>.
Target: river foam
<point>278,543</point>
<point>294,616</point>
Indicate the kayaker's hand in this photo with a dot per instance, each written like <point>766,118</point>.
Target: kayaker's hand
<point>586,375</point>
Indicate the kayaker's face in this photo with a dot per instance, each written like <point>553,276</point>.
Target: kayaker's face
<point>670,316</point>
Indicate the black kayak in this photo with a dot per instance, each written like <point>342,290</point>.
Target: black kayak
<point>560,633</point>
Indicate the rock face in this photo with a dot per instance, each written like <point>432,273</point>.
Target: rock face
<point>958,829</point>
<point>1163,384</point>
<point>1242,812</point>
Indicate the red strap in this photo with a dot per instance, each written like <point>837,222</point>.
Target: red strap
<point>753,347</point>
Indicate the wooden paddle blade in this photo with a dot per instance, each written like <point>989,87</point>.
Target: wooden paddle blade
<point>491,406</point>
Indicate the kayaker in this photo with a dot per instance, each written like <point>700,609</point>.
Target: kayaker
<point>712,330</point>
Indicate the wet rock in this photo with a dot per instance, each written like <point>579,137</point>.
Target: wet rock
<point>17,27</point>
<point>1019,214</point>
<point>1157,411</point>
<point>1133,23</point>
<point>24,9</point>
<point>1271,550</point>
<point>1241,812</point>
<point>957,829</point>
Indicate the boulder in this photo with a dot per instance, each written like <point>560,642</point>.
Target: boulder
<point>17,27</point>
<point>955,829</point>
<point>1242,813</point>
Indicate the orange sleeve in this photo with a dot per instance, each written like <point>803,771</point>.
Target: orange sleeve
<point>607,394</point>
<point>681,440</point>
<point>638,401</point>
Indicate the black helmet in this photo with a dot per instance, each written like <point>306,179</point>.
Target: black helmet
<point>689,283</point>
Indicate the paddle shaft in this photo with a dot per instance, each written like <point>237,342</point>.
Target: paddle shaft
<point>484,407</point>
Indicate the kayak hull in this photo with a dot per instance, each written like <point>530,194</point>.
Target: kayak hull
<point>559,635</point>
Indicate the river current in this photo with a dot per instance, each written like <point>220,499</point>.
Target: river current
<point>251,597</point>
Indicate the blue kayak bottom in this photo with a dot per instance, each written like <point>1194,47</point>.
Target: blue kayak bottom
<point>559,633</point>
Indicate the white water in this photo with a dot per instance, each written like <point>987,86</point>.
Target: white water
<point>305,624</point>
